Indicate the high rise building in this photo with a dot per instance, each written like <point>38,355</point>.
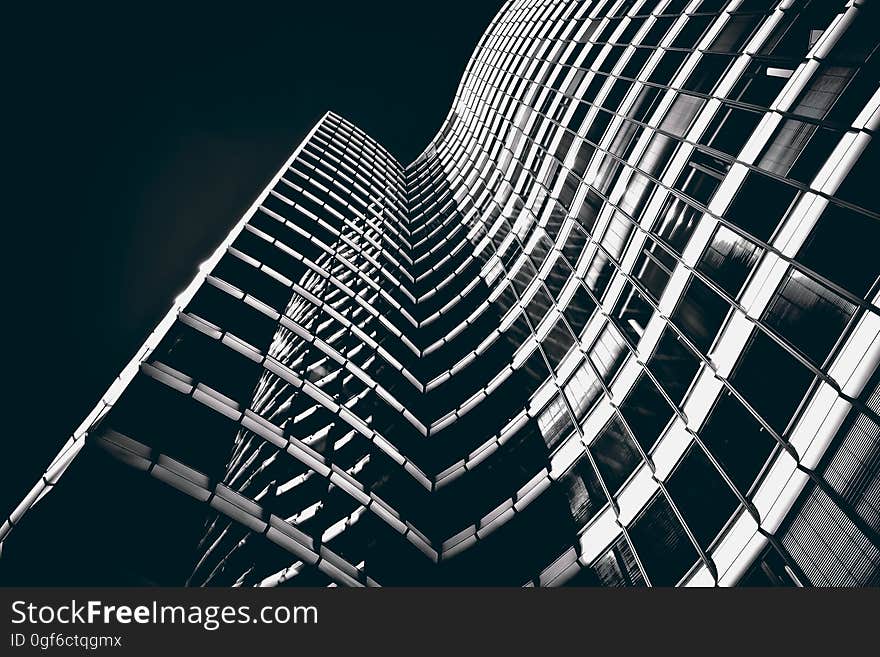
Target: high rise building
<point>617,325</point>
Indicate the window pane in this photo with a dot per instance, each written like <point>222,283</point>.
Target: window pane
<point>853,468</point>
<point>646,412</point>
<point>616,455</point>
<point>728,260</point>
<point>700,314</point>
<point>674,365</point>
<point>843,248</point>
<point>557,343</point>
<point>768,570</point>
<point>823,91</point>
<point>853,560</point>
<point>808,315</point>
<point>554,422</point>
<point>676,222</point>
<point>582,390</point>
<point>618,566</point>
<point>859,185</point>
<point>661,543</point>
<point>798,149</point>
<point>608,353</point>
<point>737,441</point>
<point>579,309</point>
<point>760,205</point>
<point>701,177</point>
<point>771,380</point>
<point>681,114</point>
<point>585,495</point>
<point>730,129</point>
<point>598,276</point>
<point>654,268</point>
<point>632,312</point>
<point>703,498</point>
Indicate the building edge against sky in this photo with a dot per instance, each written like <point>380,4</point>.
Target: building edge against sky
<point>617,325</point>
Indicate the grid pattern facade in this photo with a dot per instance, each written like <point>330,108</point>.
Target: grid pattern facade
<point>617,325</point>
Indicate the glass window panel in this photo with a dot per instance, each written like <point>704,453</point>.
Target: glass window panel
<point>618,567</point>
<point>554,422</point>
<point>675,223</point>
<point>760,205</point>
<point>632,312</point>
<point>658,154</point>
<point>808,315</point>
<point>584,154</point>
<point>616,455</point>
<point>681,114</point>
<point>853,467</point>
<point>771,380</point>
<point>638,190</point>
<point>828,547</point>
<point>728,260</point>
<point>558,276</point>
<point>691,31</point>
<point>798,149</point>
<point>674,365</point>
<point>646,99</point>
<point>707,73</point>
<point>702,176</point>
<point>730,129</point>
<point>616,234</point>
<point>755,87</point>
<point>843,248</point>
<point>646,412</point>
<point>666,68</point>
<point>703,498</point>
<point>823,91</point>
<point>579,309</point>
<point>608,353</point>
<point>598,276</point>
<point>582,390</point>
<point>538,306</point>
<point>737,441</point>
<point>569,188</point>
<point>589,211</point>
<point>600,121</point>
<point>654,268</point>
<point>557,343</point>
<point>662,544</point>
<point>583,490</point>
<point>658,30</point>
<point>769,569</point>
<point>700,314</point>
<point>735,33</point>
<point>859,185</point>
<point>791,38</point>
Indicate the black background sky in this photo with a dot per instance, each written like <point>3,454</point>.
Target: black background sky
<point>136,138</point>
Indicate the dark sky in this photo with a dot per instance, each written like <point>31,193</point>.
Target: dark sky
<point>136,139</point>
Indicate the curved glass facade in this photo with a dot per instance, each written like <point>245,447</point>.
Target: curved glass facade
<point>617,325</point>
